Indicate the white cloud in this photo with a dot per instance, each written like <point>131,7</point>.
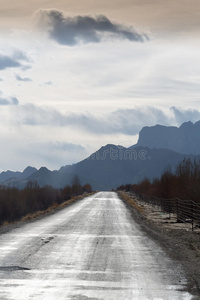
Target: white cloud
<point>48,83</point>
<point>20,55</point>
<point>19,78</point>
<point>8,100</point>
<point>54,154</point>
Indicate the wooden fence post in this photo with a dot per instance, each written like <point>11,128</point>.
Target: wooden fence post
<point>192,214</point>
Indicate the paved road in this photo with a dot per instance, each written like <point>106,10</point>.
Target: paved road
<point>90,250</point>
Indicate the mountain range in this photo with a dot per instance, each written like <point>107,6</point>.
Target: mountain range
<point>158,147</point>
<point>184,139</point>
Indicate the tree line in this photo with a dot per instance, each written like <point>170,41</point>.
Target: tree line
<point>15,203</point>
<point>183,183</point>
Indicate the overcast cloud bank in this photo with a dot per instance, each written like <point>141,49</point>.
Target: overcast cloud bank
<point>123,121</point>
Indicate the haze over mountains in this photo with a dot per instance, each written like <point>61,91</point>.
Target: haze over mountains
<point>110,166</point>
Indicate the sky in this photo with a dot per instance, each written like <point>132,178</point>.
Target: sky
<point>77,75</point>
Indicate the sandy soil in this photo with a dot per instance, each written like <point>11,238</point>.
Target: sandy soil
<point>177,239</point>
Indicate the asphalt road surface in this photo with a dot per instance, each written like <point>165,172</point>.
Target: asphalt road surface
<point>92,249</point>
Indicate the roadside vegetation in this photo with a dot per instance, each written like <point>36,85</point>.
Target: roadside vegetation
<point>184,183</point>
<point>34,200</point>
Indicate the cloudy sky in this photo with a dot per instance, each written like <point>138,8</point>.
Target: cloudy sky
<point>78,74</point>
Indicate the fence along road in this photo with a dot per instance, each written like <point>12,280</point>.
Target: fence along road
<point>90,250</point>
<point>186,211</point>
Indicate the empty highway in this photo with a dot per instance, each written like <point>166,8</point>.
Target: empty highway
<point>92,249</point>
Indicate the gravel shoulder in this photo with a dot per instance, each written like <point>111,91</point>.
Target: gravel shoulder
<point>177,239</point>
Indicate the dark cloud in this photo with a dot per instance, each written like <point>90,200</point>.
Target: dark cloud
<point>65,146</point>
<point>20,55</point>
<point>8,62</point>
<point>84,29</point>
<point>122,121</point>
<point>184,115</point>
<point>14,60</point>
<point>19,78</point>
<point>132,120</point>
<point>128,121</point>
<point>8,100</point>
<point>48,83</point>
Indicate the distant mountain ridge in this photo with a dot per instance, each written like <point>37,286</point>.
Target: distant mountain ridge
<point>111,166</point>
<point>17,175</point>
<point>184,139</point>
<point>107,168</point>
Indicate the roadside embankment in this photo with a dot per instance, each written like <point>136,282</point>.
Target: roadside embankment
<point>177,239</point>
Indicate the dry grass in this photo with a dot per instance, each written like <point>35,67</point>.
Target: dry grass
<point>34,215</point>
<point>5,223</point>
<point>54,207</point>
<point>130,201</point>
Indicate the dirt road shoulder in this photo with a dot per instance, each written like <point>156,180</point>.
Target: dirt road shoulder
<point>178,240</point>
